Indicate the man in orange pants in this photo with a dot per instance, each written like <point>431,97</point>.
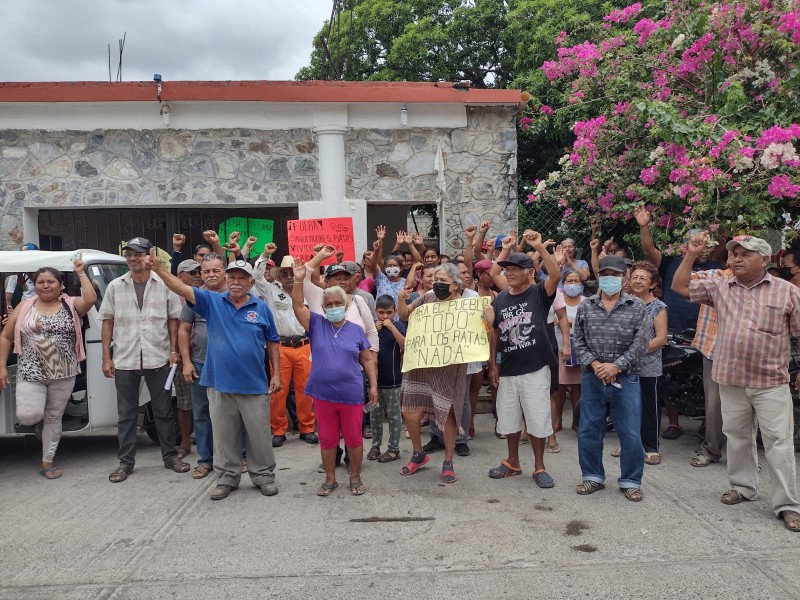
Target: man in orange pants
<point>295,349</point>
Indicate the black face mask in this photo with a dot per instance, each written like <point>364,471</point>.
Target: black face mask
<point>442,290</point>
<point>785,273</point>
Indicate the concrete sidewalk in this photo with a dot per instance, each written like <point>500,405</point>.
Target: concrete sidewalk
<point>158,535</point>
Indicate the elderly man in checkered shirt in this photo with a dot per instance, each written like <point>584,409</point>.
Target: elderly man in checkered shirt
<point>756,314</point>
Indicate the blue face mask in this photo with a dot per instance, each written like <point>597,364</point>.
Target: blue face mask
<point>334,315</point>
<point>610,284</point>
<point>573,289</point>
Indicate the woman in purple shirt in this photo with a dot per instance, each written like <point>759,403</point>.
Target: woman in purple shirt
<point>340,350</point>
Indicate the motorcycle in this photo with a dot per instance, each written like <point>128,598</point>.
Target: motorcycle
<point>682,380</point>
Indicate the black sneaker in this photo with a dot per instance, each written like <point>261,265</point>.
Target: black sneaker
<point>462,449</point>
<point>278,440</point>
<point>309,438</point>
<point>434,445</point>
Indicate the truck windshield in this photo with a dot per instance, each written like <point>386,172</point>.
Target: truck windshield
<point>102,274</point>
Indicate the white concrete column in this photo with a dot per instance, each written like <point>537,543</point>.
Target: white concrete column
<point>330,141</point>
<point>332,180</point>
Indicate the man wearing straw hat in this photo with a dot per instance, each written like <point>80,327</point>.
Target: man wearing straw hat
<point>295,349</point>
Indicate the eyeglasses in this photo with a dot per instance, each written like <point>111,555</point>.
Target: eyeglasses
<point>195,272</point>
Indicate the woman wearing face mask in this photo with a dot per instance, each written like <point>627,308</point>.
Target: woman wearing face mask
<point>644,278</point>
<point>569,377</point>
<point>437,391</point>
<point>46,331</point>
<point>340,349</point>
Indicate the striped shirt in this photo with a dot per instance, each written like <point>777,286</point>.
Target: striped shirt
<point>141,337</point>
<point>753,328</point>
<point>619,336</point>
<point>706,329</point>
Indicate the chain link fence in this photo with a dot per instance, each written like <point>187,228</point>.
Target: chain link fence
<point>546,217</point>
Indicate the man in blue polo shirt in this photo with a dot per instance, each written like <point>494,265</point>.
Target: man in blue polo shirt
<point>240,327</point>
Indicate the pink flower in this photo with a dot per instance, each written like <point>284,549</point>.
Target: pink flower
<point>621,108</point>
<point>790,23</point>
<point>559,39</point>
<point>687,209</point>
<point>696,56</point>
<point>545,110</point>
<point>778,135</point>
<point>531,199</point>
<point>782,187</point>
<point>648,175</point>
<point>568,212</point>
<point>623,15</point>
<point>644,29</point>
<point>710,119</point>
<point>677,175</point>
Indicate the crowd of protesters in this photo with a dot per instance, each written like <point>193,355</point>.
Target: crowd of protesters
<point>268,344</point>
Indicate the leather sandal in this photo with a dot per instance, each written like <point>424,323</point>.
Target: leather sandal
<point>120,473</point>
<point>633,494</point>
<point>587,487</point>
<point>177,465</point>
<point>201,471</point>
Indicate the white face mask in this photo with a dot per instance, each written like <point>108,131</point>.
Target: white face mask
<point>392,271</point>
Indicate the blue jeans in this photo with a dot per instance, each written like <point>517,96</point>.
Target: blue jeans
<point>626,411</point>
<point>203,436</point>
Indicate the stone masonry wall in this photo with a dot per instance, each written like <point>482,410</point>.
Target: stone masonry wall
<point>127,168</point>
<point>480,166</point>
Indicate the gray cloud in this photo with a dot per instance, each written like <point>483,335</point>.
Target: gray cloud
<point>66,40</point>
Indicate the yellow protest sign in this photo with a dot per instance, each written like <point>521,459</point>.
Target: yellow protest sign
<point>446,333</point>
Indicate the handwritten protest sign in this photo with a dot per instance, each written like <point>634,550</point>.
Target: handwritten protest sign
<point>446,333</point>
<point>263,229</point>
<point>304,234</point>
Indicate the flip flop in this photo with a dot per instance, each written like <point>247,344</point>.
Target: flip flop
<point>412,467</point>
<point>503,471</point>
<point>50,472</point>
<point>326,489</point>
<point>553,448</point>
<point>355,486</point>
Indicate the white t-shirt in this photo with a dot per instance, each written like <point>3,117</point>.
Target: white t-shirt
<point>11,285</point>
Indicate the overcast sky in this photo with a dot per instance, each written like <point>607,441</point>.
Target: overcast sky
<point>66,40</point>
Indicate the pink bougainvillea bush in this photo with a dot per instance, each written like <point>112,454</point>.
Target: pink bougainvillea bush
<point>690,108</point>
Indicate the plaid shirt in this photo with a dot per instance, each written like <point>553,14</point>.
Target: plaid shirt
<point>141,337</point>
<point>706,329</point>
<point>753,328</point>
<point>618,336</point>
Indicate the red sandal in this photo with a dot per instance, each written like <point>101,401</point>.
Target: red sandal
<point>412,467</point>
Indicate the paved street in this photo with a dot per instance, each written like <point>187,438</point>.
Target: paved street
<point>158,535</point>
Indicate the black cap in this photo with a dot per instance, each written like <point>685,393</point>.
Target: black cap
<point>613,262</point>
<point>336,269</point>
<point>138,244</point>
<point>517,259</point>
